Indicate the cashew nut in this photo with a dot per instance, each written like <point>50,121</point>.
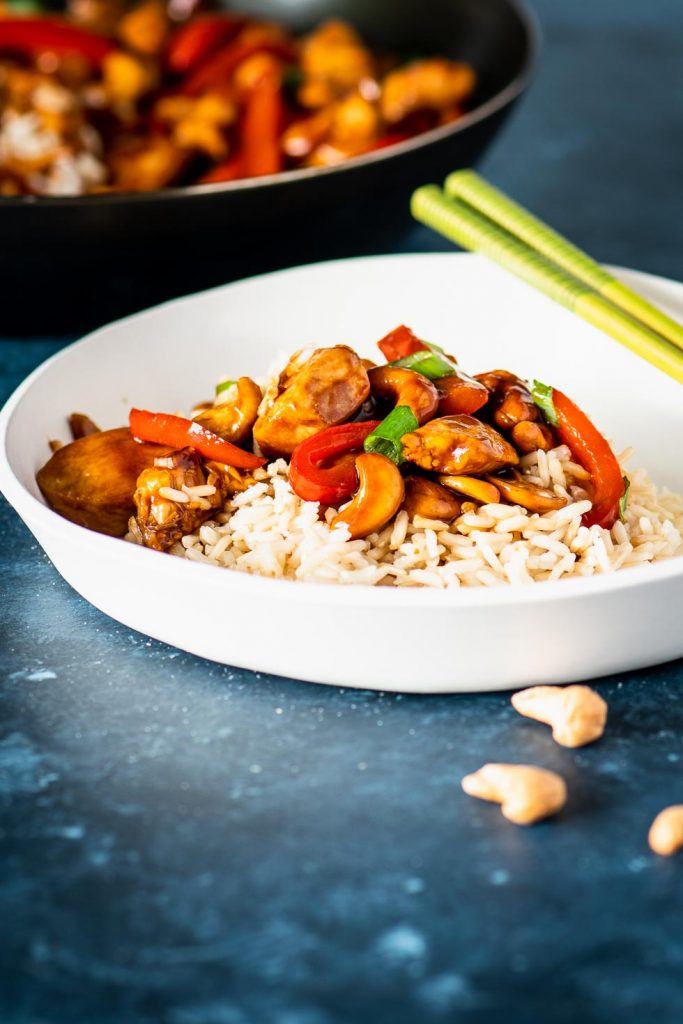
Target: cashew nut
<point>405,387</point>
<point>378,498</point>
<point>532,497</point>
<point>472,487</point>
<point>666,831</point>
<point>234,419</point>
<point>526,793</point>
<point>576,714</point>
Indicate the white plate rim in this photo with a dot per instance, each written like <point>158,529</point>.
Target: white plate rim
<point>334,593</point>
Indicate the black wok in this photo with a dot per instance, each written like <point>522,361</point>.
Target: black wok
<point>69,264</point>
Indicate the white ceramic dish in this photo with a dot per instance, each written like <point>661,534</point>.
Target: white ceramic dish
<point>412,640</point>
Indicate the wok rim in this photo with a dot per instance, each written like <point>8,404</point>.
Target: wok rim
<point>498,102</point>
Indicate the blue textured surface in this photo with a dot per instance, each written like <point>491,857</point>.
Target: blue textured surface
<point>189,844</point>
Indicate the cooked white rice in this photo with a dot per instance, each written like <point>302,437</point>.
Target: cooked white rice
<point>269,531</point>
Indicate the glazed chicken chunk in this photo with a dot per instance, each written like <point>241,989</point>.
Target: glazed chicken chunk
<point>510,399</point>
<point>324,389</point>
<point>174,497</point>
<point>458,445</point>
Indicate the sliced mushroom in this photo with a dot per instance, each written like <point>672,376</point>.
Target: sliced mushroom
<point>458,445</point>
<point>92,480</point>
<point>81,425</point>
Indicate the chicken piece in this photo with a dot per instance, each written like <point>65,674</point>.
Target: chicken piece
<point>458,445</point>
<point>199,123</point>
<point>126,79</point>
<point>333,61</point>
<point>302,137</point>
<point>529,437</point>
<point>174,497</point>
<point>144,28</point>
<point>355,122</point>
<point>338,132</point>
<point>436,84</point>
<point>510,400</point>
<point>92,481</point>
<point>327,388</point>
<point>145,164</point>
<point>427,498</point>
<point>251,72</point>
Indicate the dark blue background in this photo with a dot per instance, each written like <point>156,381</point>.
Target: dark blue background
<point>189,844</point>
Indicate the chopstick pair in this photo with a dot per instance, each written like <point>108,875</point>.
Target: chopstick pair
<point>478,217</point>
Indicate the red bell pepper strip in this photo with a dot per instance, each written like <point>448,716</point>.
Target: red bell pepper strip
<point>217,69</point>
<point>261,127</point>
<point>177,432</point>
<point>229,170</point>
<point>399,343</point>
<point>33,36</point>
<point>330,485</point>
<point>201,36</point>
<point>459,393</point>
<point>591,450</point>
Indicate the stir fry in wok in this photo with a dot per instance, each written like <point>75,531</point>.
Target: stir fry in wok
<point>119,98</point>
<point>414,432</point>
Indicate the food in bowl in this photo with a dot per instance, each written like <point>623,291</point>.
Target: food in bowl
<point>116,98</point>
<point>404,473</point>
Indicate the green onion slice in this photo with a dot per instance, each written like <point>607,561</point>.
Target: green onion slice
<point>429,363</point>
<point>224,386</point>
<point>292,77</point>
<point>623,500</point>
<point>542,395</point>
<point>386,438</point>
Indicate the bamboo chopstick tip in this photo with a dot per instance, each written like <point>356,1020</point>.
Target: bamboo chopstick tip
<point>455,178</point>
<point>424,196</point>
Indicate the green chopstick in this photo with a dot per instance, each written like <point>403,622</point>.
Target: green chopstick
<point>460,223</point>
<point>468,186</point>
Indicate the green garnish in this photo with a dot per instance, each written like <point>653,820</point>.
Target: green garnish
<point>386,438</point>
<point>224,386</point>
<point>25,7</point>
<point>542,395</point>
<point>428,362</point>
<point>623,500</point>
<point>292,77</point>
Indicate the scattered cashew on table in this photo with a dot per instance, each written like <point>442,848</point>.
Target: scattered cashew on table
<point>527,793</point>
<point>666,832</point>
<point>576,714</point>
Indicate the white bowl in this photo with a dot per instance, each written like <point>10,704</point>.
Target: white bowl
<point>414,640</point>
